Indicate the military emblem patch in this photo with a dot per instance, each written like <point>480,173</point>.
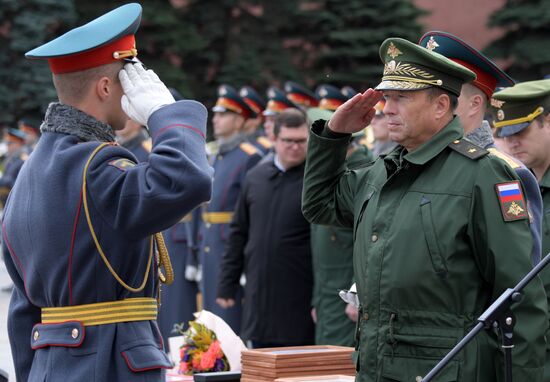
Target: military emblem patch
<point>122,164</point>
<point>431,44</point>
<point>512,202</point>
<point>393,51</point>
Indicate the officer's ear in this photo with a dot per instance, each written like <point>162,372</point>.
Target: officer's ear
<point>441,105</point>
<point>477,103</point>
<point>106,81</point>
<point>104,88</point>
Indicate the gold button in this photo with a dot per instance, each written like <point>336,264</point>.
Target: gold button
<point>456,142</point>
<point>333,238</point>
<point>207,249</point>
<point>365,316</point>
<point>418,378</point>
<point>74,333</point>
<point>374,237</point>
<point>36,335</point>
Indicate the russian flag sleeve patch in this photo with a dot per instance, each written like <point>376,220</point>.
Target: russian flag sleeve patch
<point>511,200</point>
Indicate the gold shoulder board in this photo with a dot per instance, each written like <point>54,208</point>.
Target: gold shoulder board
<point>468,149</point>
<point>248,148</point>
<point>505,157</point>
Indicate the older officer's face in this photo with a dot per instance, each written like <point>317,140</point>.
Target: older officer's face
<point>411,117</point>
<point>531,144</point>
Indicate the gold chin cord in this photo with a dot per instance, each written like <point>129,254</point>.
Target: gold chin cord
<point>164,258</point>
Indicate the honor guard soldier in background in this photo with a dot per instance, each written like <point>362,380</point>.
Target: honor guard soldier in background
<point>348,91</point>
<point>473,105</point>
<point>253,128</point>
<point>522,118</point>
<point>441,228</point>
<point>79,227</point>
<point>300,95</point>
<point>332,254</point>
<point>234,158</point>
<point>31,128</point>
<point>330,97</point>
<point>16,155</point>
<point>277,102</point>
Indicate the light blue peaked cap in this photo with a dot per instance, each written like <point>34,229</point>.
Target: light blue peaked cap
<point>110,27</point>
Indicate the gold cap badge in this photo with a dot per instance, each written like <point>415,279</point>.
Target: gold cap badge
<point>431,44</point>
<point>393,51</point>
<point>496,103</point>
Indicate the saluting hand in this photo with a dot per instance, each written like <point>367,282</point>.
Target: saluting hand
<point>144,93</point>
<point>356,113</point>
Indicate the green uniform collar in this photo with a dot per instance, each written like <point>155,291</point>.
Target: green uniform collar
<point>545,181</point>
<point>437,144</point>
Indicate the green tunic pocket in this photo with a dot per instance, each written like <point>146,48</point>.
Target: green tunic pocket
<point>404,369</point>
<point>436,256</point>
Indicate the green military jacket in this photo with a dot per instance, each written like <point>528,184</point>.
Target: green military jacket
<point>545,273</point>
<point>431,252</point>
<point>545,191</point>
<point>332,256</point>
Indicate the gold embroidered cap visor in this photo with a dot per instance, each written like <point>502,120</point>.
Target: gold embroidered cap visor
<point>516,107</point>
<point>408,66</point>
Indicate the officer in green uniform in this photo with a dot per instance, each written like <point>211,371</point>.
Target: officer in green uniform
<point>522,118</point>
<point>440,228</point>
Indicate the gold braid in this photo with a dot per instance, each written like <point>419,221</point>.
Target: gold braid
<point>164,258</point>
<point>164,261</point>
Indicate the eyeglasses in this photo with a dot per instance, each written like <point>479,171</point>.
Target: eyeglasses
<point>291,142</point>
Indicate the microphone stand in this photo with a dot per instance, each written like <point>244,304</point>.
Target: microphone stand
<point>498,315</point>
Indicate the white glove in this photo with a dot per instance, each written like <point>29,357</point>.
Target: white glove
<point>144,93</point>
<point>191,272</point>
<point>350,296</point>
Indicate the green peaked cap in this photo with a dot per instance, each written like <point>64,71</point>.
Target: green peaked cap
<point>408,66</point>
<point>516,107</point>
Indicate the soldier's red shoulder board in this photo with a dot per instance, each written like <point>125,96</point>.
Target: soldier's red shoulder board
<point>122,164</point>
<point>147,145</point>
<point>248,148</point>
<point>511,200</point>
<point>468,149</point>
<point>266,143</point>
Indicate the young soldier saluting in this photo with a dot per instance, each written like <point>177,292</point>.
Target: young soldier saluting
<point>79,226</point>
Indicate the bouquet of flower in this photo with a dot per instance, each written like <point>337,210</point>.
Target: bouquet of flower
<point>201,351</point>
<point>208,345</point>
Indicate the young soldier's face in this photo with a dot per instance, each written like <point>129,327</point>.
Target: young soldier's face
<point>531,144</point>
<point>226,124</point>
